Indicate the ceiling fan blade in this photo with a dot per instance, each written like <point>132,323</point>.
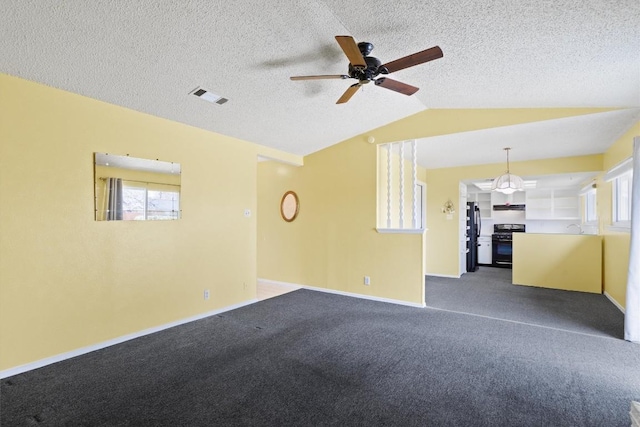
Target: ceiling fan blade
<point>351,90</point>
<point>397,86</point>
<point>414,59</point>
<point>350,48</point>
<point>328,76</point>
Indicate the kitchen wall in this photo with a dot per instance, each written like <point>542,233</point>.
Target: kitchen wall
<point>442,238</point>
<point>533,226</point>
<point>615,254</point>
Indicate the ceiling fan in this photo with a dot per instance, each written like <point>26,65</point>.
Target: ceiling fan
<point>365,68</point>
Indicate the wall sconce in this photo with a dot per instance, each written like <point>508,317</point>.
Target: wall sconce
<point>448,208</point>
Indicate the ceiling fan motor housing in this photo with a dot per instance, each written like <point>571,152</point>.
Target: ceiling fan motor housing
<point>374,67</point>
<point>365,48</point>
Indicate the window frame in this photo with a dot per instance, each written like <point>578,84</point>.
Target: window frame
<point>590,207</point>
<point>621,214</point>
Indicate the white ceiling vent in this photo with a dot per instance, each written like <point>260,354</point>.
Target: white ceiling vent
<point>208,96</point>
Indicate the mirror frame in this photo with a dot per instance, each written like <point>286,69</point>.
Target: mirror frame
<point>289,206</point>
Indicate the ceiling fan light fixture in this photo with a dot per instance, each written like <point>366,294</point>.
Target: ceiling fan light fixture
<point>507,183</point>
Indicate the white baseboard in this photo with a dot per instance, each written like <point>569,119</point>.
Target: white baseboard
<point>450,276</point>
<point>614,302</point>
<point>346,294</point>
<point>284,284</point>
<point>88,349</point>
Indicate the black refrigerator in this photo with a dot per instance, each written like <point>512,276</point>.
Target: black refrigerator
<point>474,226</point>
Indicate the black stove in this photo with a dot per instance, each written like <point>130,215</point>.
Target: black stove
<point>502,243</point>
<point>504,231</point>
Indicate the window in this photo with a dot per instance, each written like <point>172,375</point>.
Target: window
<point>621,192</point>
<point>589,207</point>
<point>620,177</point>
<point>143,201</point>
<point>400,196</point>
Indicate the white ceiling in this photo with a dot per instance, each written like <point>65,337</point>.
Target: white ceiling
<point>588,134</point>
<point>148,55</point>
<point>575,180</point>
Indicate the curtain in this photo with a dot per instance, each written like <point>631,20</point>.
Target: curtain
<point>632,309</point>
<point>113,193</point>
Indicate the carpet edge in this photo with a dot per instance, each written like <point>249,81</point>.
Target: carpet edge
<point>114,341</point>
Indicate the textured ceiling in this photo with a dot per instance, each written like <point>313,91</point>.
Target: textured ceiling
<point>148,55</point>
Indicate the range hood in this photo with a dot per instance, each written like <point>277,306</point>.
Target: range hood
<point>508,207</point>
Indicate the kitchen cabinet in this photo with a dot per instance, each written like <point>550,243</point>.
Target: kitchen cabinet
<point>517,198</point>
<point>485,250</point>
<point>566,204</point>
<point>553,204</point>
<point>484,203</point>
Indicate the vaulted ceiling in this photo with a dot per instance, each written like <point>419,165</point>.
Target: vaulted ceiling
<point>149,55</point>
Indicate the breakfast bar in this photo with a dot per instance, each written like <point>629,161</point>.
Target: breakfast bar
<point>570,262</point>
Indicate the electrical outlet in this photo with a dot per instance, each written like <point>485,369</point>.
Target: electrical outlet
<point>206,294</point>
<point>247,213</point>
<point>367,280</point>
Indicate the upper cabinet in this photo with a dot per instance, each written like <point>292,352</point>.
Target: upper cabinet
<point>517,198</point>
<point>553,204</point>
<point>548,204</point>
<point>485,202</point>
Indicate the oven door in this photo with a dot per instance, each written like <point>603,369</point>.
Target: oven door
<point>502,252</point>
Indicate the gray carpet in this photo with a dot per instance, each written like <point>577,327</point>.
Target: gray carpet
<point>489,292</point>
<point>315,359</point>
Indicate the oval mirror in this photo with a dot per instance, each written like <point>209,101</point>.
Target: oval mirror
<point>289,206</point>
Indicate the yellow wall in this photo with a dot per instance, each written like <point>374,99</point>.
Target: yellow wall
<point>333,243</point>
<point>68,281</point>
<point>442,238</point>
<point>442,245</point>
<point>558,261</point>
<point>615,243</point>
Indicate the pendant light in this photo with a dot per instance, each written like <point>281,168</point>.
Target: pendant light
<point>507,183</point>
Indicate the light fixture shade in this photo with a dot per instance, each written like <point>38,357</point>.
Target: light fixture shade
<point>507,183</point>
